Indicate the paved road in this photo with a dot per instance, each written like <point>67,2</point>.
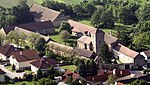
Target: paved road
<point>11,74</point>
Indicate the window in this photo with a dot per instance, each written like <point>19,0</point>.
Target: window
<point>86,33</point>
<point>85,46</point>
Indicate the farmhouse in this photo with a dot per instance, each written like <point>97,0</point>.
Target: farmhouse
<point>126,55</point>
<point>146,54</point>
<point>5,51</point>
<point>43,64</point>
<point>42,14</point>
<point>22,59</point>
<point>43,28</point>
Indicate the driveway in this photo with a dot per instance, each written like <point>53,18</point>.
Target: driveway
<point>11,74</point>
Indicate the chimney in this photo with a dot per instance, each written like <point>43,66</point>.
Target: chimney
<point>110,33</point>
<point>20,53</point>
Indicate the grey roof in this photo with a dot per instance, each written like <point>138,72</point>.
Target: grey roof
<point>83,52</point>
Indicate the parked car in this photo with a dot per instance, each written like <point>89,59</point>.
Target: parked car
<point>7,64</point>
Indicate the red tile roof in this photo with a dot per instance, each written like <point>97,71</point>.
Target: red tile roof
<point>109,39</point>
<point>79,27</point>
<point>126,51</point>
<point>67,73</point>
<point>44,63</point>
<point>7,49</point>
<point>26,55</point>
<point>44,13</point>
<point>97,78</point>
<point>85,39</point>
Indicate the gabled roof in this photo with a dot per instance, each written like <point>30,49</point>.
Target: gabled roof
<point>79,27</point>
<point>83,52</point>
<point>27,32</point>
<point>7,49</point>
<point>44,63</point>
<point>1,72</point>
<point>97,78</point>
<point>69,73</point>
<point>109,39</point>
<point>121,73</point>
<point>26,55</point>
<point>44,13</point>
<point>126,51</point>
<point>34,26</point>
<point>147,52</point>
<point>85,39</point>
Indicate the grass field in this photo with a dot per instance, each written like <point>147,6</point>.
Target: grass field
<point>10,3</point>
<point>56,37</point>
<point>70,67</point>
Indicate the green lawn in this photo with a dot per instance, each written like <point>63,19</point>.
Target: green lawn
<point>69,67</point>
<point>20,83</point>
<point>56,37</point>
<point>10,3</point>
<point>9,67</point>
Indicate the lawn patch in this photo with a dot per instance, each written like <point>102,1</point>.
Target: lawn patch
<point>69,67</point>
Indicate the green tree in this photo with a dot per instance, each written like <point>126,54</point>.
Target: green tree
<point>33,38</point>
<point>127,16</point>
<point>22,12</point>
<point>111,79</point>
<point>13,67</point>
<point>65,26</point>
<point>139,82</point>
<point>143,26</point>
<point>96,17</point>
<point>81,69</point>
<point>107,19</point>
<point>40,46</point>
<point>34,78</point>
<point>2,37</point>
<point>39,74</point>
<point>64,35</point>
<point>144,13</point>
<point>46,81</point>
<point>50,73</point>
<point>142,40</point>
<point>105,54</point>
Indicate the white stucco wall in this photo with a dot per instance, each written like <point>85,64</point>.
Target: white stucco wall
<point>14,62</point>
<point>34,69</point>
<point>19,64</point>
<point>123,58</point>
